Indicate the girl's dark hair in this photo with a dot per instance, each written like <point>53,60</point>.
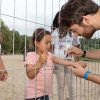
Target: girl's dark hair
<point>73,11</point>
<point>55,23</point>
<point>38,36</point>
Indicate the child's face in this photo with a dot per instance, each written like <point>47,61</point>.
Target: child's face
<point>45,44</point>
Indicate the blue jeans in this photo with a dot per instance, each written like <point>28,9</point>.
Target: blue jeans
<point>40,98</point>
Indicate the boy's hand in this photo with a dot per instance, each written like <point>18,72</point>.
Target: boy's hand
<point>83,64</point>
<point>75,51</point>
<point>78,70</point>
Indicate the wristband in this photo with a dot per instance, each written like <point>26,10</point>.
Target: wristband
<point>84,53</point>
<point>86,74</point>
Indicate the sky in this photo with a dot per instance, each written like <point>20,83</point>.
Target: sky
<point>38,13</point>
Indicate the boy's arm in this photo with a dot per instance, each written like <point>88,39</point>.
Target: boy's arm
<point>79,71</point>
<point>94,54</point>
<point>94,78</point>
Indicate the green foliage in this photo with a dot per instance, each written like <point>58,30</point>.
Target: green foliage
<point>90,43</point>
<point>88,59</point>
<point>19,40</point>
<point>28,41</point>
<point>7,39</point>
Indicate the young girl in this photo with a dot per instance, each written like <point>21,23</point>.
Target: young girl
<point>61,41</point>
<point>39,66</point>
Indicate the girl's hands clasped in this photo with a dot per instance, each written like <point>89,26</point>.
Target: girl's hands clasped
<point>43,58</point>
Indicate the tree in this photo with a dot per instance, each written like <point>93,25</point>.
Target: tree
<point>7,40</point>
<point>17,41</point>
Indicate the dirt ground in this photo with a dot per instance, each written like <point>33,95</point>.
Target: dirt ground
<point>14,87</point>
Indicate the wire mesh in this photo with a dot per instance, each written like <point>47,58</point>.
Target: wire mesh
<point>14,87</point>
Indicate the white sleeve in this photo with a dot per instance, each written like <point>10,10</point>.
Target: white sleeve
<point>54,37</point>
<point>76,41</point>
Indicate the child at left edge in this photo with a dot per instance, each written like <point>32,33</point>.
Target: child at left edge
<point>39,66</point>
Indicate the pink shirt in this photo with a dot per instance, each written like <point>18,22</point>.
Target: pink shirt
<point>42,83</point>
